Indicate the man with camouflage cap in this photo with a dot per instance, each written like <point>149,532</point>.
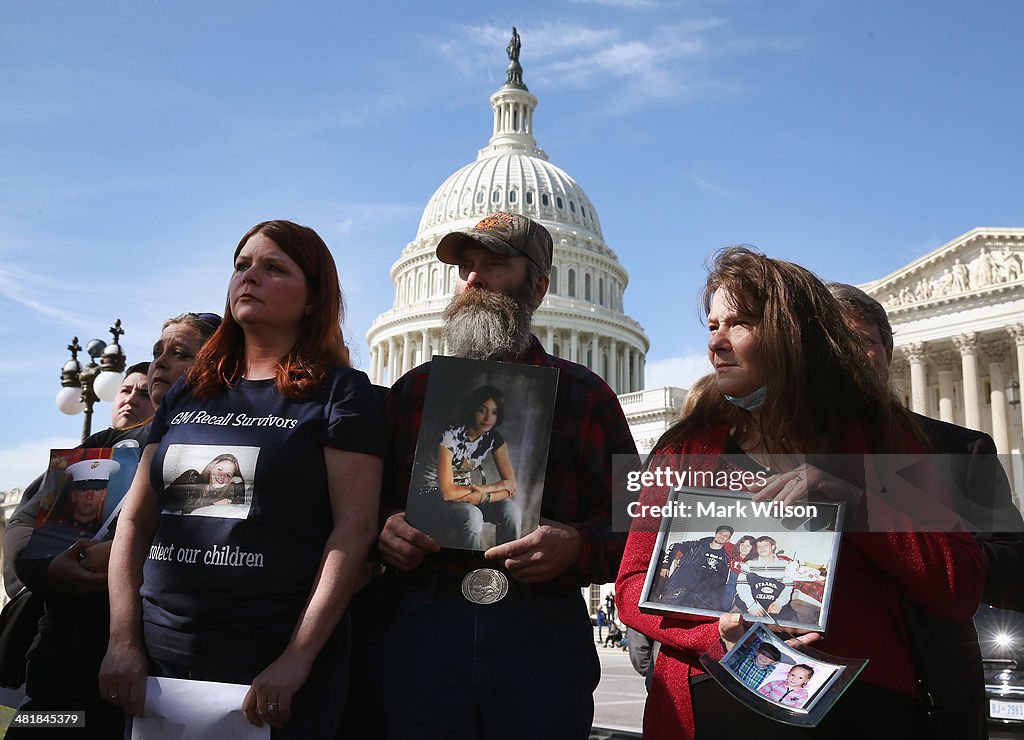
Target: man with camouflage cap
<point>460,661</point>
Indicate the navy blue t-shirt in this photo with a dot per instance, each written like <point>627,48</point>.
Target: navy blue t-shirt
<point>231,577</point>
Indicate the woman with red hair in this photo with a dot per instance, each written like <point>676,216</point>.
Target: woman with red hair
<point>790,381</point>
<point>256,600</point>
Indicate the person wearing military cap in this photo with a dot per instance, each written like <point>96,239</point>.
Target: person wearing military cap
<point>65,657</point>
<point>472,604</point>
<point>89,480</point>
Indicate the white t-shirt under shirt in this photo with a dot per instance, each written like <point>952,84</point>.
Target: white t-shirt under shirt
<point>467,454</point>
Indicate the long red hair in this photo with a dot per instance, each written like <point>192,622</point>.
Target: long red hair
<point>320,346</point>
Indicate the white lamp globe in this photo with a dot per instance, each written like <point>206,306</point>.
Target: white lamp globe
<point>69,401</point>
<point>106,385</point>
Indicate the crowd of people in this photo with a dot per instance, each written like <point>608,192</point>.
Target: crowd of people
<point>344,620</point>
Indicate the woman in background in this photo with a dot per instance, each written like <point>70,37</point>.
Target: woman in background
<point>65,658</point>
<point>789,381</point>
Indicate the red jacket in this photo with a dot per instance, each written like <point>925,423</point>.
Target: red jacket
<point>942,572</point>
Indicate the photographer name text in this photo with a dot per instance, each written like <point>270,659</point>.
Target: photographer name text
<point>737,509</point>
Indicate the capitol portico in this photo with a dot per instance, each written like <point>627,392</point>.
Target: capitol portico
<point>582,317</point>
<point>958,323</point>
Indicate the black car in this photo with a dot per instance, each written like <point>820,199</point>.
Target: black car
<point>1002,648</point>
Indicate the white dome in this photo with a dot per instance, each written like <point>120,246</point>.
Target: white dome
<point>582,317</point>
<point>510,181</point>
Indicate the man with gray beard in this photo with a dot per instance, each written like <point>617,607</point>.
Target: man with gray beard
<point>523,665</point>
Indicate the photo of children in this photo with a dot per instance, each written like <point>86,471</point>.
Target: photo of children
<point>722,557</point>
<point>209,480</point>
<point>793,691</point>
<point>772,671</point>
<point>757,663</point>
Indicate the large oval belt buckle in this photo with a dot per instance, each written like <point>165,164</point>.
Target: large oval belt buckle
<point>485,586</point>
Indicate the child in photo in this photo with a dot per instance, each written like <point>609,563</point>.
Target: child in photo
<point>791,692</point>
<point>758,661</point>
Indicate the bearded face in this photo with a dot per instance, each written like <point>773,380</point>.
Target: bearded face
<point>481,324</point>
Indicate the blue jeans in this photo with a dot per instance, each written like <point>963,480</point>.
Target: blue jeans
<point>456,524</point>
<point>523,667</point>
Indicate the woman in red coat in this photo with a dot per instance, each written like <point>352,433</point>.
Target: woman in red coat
<point>791,380</point>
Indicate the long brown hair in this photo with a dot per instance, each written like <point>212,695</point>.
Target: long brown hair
<point>320,346</point>
<point>818,384</point>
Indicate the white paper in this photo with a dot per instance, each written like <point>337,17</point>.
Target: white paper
<point>177,709</point>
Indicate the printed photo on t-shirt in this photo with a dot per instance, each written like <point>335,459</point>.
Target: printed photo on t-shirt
<point>209,480</point>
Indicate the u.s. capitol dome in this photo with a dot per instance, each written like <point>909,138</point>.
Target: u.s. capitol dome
<point>582,317</point>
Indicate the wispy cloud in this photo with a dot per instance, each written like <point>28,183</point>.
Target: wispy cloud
<point>357,115</point>
<point>54,298</point>
<point>667,63</point>
<point>711,187</point>
<point>626,4</point>
<point>20,465</point>
<point>352,216</point>
<point>678,371</point>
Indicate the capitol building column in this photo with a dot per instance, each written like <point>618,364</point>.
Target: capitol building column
<point>968,346</point>
<point>406,354</point>
<point>426,347</point>
<point>944,361</point>
<point>392,361</point>
<point>595,358</point>
<point>574,345</point>
<point>1017,332</point>
<point>918,379</point>
<point>997,352</point>
<point>549,341</point>
<point>613,369</point>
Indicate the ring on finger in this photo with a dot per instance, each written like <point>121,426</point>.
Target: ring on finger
<point>272,706</point>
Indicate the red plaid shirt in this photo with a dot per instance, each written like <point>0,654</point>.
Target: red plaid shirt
<point>587,429</point>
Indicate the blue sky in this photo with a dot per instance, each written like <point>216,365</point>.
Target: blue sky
<point>139,140</point>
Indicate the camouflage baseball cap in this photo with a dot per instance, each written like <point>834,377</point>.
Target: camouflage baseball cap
<point>505,233</point>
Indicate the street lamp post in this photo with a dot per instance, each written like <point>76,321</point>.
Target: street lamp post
<point>82,387</point>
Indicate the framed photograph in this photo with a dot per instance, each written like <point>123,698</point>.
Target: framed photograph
<point>481,453</point>
<point>80,493</point>
<point>720,552</point>
<point>795,686</point>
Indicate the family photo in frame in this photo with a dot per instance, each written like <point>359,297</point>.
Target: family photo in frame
<point>721,553</point>
<point>797,686</point>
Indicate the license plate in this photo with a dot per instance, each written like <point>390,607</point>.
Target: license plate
<point>1006,709</point>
